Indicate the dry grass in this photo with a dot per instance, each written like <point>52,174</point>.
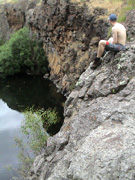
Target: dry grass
<point>54,62</point>
<point>84,56</point>
<point>75,45</point>
<point>112,6</point>
<point>118,7</point>
<point>7,1</point>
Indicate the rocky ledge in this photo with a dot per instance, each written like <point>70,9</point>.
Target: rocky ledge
<point>97,139</point>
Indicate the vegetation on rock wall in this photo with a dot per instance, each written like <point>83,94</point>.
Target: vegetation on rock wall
<point>32,129</point>
<point>22,53</point>
<point>129,5</point>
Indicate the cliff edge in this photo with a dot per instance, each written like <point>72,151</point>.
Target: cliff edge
<point>97,139</point>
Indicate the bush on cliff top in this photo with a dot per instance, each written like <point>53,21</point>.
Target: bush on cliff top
<point>22,53</point>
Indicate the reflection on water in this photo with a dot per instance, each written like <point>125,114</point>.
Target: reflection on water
<point>9,119</point>
<point>16,94</point>
<point>9,128</point>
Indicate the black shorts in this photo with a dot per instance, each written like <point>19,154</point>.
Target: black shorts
<point>115,47</point>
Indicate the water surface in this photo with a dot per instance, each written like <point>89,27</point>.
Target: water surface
<point>17,93</point>
<point>9,128</point>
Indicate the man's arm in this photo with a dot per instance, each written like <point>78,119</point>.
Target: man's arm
<point>114,32</point>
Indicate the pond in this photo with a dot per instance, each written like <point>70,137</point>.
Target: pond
<point>17,93</point>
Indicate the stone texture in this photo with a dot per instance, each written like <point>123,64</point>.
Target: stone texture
<point>97,139</point>
<point>130,24</point>
<point>66,30</point>
<point>4,26</point>
<point>69,33</point>
<point>14,16</point>
<point>101,139</point>
<point>107,153</point>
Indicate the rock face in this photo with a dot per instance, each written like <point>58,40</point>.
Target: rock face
<point>13,17</point>
<point>4,26</point>
<point>97,139</point>
<point>67,31</point>
<point>70,34</point>
<point>130,23</point>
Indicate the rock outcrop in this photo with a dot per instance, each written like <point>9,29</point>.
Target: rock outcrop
<point>70,34</point>
<point>67,31</point>
<point>4,26</point>
<point>97,139</point>
<point>13,17</point>
<point>130,24</point>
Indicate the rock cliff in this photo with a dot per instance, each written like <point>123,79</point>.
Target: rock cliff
<point>97,139</point>
<point>69,33</point>
<point>13,17</point>
<point>67,30</point>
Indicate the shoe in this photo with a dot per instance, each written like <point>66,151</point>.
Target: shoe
<point>96,63</point>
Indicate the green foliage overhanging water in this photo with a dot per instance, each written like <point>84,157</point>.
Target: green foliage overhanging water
<point>22,53</point>
<point>32,128</point>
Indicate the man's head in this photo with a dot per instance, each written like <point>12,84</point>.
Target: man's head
<point>112,18</point>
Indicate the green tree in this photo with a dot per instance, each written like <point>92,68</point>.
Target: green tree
<point>22,53</point>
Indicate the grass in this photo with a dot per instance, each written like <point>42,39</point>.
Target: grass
<point>130,4</point>
<point>111,5</point>
<point>119,7</point>
<point>8,1</point>
<point>54,62</point>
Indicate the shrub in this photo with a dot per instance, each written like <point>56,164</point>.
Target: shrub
<point>32,128</point>
<point>22,53</point>
<point>35,125</point>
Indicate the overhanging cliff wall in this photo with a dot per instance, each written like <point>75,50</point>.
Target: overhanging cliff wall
<point>69,33</point>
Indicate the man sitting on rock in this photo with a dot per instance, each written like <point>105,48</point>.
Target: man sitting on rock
<point>115,43</point>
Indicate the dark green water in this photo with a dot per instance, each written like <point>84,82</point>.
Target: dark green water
<point>16,94</point>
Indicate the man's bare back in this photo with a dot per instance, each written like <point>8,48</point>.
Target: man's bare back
<point>119,34</point>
